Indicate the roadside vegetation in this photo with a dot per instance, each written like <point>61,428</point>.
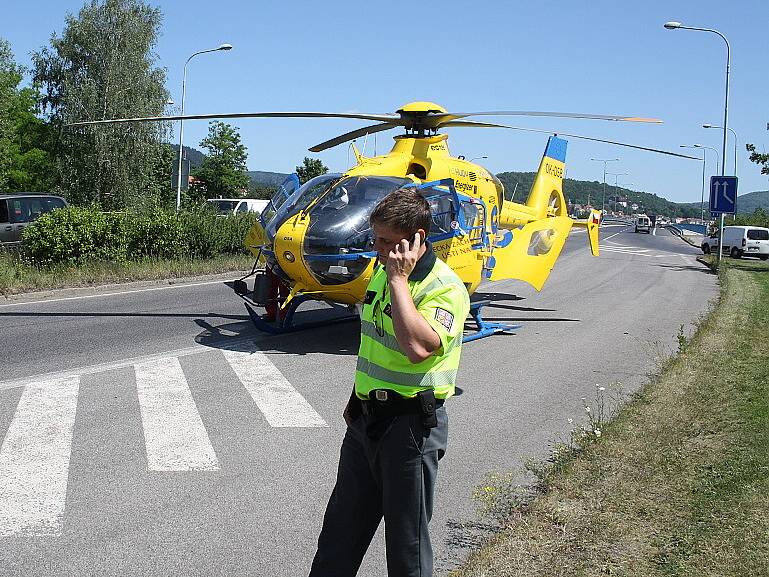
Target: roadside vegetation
<point>81,246</point>
<point>676,483</point>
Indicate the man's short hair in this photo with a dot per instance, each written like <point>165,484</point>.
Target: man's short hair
<point>404,210</point>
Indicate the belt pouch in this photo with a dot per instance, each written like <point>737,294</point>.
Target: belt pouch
<point>427,408</point>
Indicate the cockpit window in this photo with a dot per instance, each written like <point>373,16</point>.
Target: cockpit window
<point>298,200</point>
<point>340,226</point>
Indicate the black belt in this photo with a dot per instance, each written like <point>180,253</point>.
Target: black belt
<point>385,403</point>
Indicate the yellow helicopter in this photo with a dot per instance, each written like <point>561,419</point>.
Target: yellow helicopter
<point>313,241</point>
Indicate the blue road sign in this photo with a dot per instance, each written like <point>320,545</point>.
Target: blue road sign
<point>723,194</point>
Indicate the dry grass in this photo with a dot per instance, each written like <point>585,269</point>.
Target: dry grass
<point>17,277</point>
<point>678,483</point>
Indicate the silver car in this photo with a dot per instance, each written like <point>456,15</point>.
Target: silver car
<point>20,209</point>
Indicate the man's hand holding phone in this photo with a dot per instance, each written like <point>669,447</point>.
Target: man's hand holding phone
<point>403,258</point>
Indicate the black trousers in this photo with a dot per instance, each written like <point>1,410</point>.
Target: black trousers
<point>387,468</point>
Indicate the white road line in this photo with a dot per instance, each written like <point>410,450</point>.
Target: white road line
<point>103,367</point>
<point>280,403</point>
<point>111,294</point>
<point>612,236</point>
<point>633,252</point>
<point>174,434</point>
<point>34,459</point>
<point>626,249</point>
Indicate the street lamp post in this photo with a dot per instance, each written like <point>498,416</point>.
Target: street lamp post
<point>709,148</point>
<point>475,157</point>
<point>616,176</point>
<point>702,193</point>
<point>676,26</point>
<point>603,198</point>
<point>616,192</point>
<point>181,121</point>
<point>734,135</point>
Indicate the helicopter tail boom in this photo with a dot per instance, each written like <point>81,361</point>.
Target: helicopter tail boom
<point>546,195</point>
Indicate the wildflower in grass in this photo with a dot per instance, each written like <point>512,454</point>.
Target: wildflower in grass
<point>587,409</point>
<point>597,433</point>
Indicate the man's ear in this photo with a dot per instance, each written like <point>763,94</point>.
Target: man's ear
<point>422,235</point>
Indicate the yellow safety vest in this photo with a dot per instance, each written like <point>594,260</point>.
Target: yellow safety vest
<point>442,299</point>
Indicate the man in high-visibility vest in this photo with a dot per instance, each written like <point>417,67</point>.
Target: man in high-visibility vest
<point>411,335</point>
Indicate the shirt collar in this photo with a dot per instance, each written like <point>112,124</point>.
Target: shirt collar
<point>424,264</point>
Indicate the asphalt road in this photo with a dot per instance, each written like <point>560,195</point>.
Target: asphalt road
<point>136,440</point>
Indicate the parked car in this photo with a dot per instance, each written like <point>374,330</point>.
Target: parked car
<point>18,210</point>
<point>643,224</point>
<point>236,205</point>
<point>740,241</point>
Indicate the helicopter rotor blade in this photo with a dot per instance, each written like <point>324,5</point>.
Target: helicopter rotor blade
<point>469,123</point>
<point>353,135</point>
<point>472,124</point>
<point>393,119</point>
<point>442,118</point>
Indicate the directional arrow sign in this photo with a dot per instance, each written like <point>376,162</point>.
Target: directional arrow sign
<point>723,194</point>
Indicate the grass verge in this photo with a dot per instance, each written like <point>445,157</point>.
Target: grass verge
<point>18,277</point>
<point>677,483</point>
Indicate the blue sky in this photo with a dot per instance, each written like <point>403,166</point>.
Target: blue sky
<point>605,57</point>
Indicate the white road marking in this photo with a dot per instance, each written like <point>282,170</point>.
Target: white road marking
<point>174,434</point>
<point>617,245</point>
<point>281,404</point>
<point>633,251</point>
<point>111,294</point>
<point>103,367</point>
<point>34,459</point>
<point>612,236</point>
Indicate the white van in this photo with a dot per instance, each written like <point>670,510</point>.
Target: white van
<point>643,224</point>
<point>236,205</point>
<point>740,241</point>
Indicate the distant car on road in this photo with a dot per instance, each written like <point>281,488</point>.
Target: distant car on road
<point>18,210</point>
<point>643,224</point>
<point>740,241</point>
<point>236,205</point>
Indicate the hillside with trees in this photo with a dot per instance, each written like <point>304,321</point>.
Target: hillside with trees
<point>583,192</point>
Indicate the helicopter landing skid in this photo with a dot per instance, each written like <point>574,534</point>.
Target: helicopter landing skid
<point>286,324</point>
<point>486,328</point>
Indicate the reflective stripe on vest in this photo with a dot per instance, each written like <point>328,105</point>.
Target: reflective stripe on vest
<point>423,380</point>
<point>381,361</point>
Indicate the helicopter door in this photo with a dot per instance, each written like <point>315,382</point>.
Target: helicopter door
<point>474,222</point>
<point>457,230</point>
<point>285,190</point>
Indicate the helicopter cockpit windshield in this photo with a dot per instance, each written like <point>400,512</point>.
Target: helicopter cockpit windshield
<point>291,198</point>
<point>337,245</point>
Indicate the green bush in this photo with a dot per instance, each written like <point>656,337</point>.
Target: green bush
<point>155,235</point>
<point>74,235</point>
<point>78,235</point>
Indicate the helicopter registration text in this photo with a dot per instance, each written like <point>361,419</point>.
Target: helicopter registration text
<point>554,170</point>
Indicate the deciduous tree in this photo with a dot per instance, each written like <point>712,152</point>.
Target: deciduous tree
<point>758,158</point>
<point>223,172</point>
<point>25,162</point>
<point>310,168</point>
<point>103,67</point>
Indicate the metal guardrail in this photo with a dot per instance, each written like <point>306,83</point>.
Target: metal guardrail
<point>616,219</point>
<point>695,228</point>
<point>700,229</point>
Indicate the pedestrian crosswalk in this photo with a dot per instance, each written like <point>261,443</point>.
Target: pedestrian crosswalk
<point>36,448</point>
<point>174,433</point>
<point>34,459</point>
<point>633,250</point>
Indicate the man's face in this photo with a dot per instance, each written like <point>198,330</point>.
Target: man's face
<point>386,239</point>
